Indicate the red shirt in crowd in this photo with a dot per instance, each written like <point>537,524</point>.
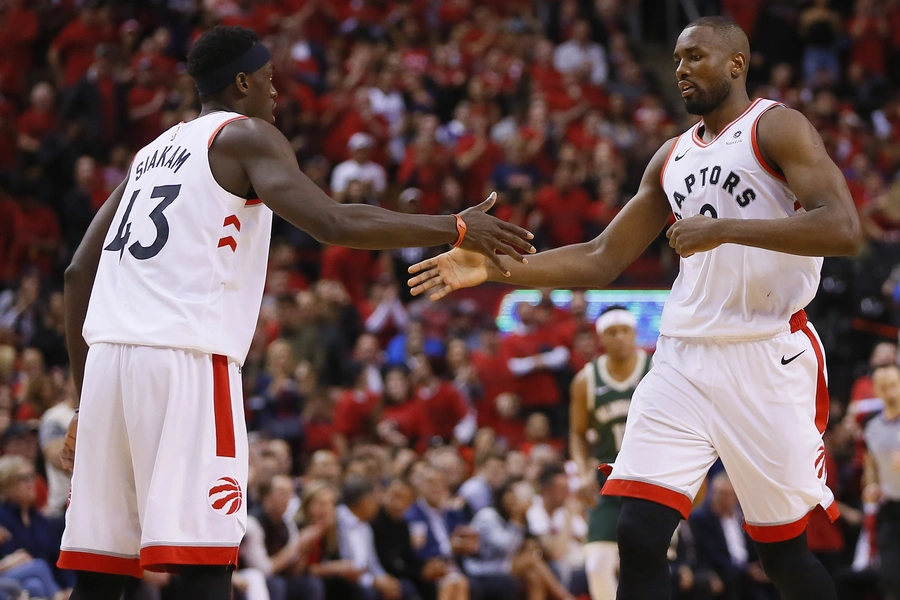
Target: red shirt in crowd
<point>354,414</point>
<point>407,417</point>
<point>564,214</point>
<point>495,379</point>
<point>144,130</point>
<point>426,173</point>
<point>353,268</point>
<point>36,124</point>
<point>76,44</point>
<point>475,178</point>
<point>40,235</point>
<point>537,388</point>
<point>18,30</point>
<point>442,408</point>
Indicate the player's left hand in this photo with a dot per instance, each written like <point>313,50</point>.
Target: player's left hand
<point>695,234</point>
<point>67,456</point>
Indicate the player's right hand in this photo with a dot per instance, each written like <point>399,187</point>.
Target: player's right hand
<point>486,234</point>
<point>450,271</point>
<point>67,456</point>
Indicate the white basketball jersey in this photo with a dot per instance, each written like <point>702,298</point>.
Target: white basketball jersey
<point>733,291</point>
<point>184,261</point>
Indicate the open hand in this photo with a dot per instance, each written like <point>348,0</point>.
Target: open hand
<point>695,234</point>
<point>486,235</point>
<point>450,271</point>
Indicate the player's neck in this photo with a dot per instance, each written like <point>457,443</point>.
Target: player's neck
<point>217,106</point>
<point>621,369</point>
<point>727,112</point>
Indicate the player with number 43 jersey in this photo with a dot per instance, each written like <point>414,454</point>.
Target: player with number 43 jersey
<point>601,396</point>
<point>162,301</point>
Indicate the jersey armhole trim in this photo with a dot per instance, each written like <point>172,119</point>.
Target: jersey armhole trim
<point>768,168</point>
<point>215,133</point>
<point>662,171</point>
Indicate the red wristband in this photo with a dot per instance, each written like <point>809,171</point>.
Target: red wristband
<point>461,228</point>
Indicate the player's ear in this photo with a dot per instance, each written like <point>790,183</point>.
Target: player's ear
<point>739,64</point>
<point>243,85</point>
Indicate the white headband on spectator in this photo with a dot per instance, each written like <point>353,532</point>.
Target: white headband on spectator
<point>616,317</point>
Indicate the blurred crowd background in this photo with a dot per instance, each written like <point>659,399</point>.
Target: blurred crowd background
<point>361,400</point>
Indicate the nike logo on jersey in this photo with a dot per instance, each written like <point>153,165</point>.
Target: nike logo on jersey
<point>680,156</point>
<point>785,361</point>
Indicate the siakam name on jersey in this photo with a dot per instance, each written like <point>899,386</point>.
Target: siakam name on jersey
<point>707,176</point>
<point>170,160</point>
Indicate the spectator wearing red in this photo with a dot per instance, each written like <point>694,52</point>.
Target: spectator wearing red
<point>383,315</point>
<point>493,374</point>
<point>354,268</point>
<point>40,233</point>
<point>869,29</point>
<point>445,413</point>
<point>343,121</point>
<point>415,54</point>
<point>8,134</point>
<point>154,49</point>
<point>39,121</point>
<point>565,208</point>
<point>355,413</point>
<point>425,165</point>
<point>401,422</point>
<point>72,52</point>
<point>476,156</point>
<point>18,31</point>
<point>534,354</point>
<point>145,100</point>
<point>11,239</point>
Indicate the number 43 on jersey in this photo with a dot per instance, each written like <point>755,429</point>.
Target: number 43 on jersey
<point>167,193</point>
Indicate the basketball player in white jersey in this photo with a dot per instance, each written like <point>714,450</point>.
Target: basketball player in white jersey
<point>738,373</point>
<point>165,290</point>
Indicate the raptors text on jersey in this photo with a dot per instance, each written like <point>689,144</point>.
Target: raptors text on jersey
<point>733,291</point>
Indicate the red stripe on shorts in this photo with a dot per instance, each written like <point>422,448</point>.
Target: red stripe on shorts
<point>767,534</point>
<point>159,558</point>
<point>823,402</point>
<point>99,563</point>
<point>222,407</point>
<point>649,491</point>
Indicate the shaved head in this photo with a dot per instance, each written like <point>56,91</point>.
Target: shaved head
<point>728,33</point>
<point>712,56</point>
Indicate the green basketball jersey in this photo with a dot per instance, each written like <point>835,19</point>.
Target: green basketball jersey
<point>608,403</point>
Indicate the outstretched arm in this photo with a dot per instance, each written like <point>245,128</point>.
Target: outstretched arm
<point>829,227</point>
<point>591,264</point>
<point>269,162</point>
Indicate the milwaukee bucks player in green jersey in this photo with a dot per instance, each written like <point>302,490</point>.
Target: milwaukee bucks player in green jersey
<point>601,396</point>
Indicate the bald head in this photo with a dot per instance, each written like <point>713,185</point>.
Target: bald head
<point>712,56</point>
<point>726,33</point>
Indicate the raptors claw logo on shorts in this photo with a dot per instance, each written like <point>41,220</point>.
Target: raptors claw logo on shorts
<point>820,463</point>
<point>225,496</point>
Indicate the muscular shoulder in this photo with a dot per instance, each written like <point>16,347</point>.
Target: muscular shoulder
<point>250,137</point>
<point>783,132</point>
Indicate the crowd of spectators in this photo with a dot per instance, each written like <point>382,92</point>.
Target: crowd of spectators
<point>401,449</point>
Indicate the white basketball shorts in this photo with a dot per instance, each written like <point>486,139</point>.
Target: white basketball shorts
<point>760,406</point>
<point>161,462</point>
